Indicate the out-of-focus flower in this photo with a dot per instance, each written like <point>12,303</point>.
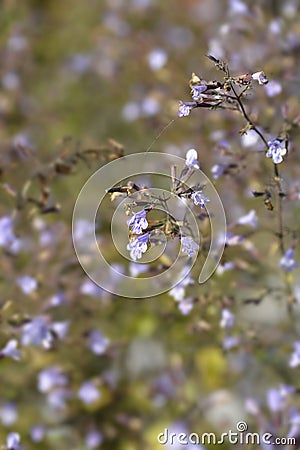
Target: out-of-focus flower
<point>27,284</point>
<point>88,392</point>
<point>88,287</point>
<point>37,433</point>
<point>185,108</point>
<point>273,88</point>
<point>6,231</point>
<point>189,246</point>
<point>13,441</point>
<point>230,342</point>
<point>217,170</point>
<point>260,77</point>
<point>295,356</point>
<point>249,219</point>
<point>186,305</point>
<point>138,246</point>
<point>276,151</point>
<point>274,400</point>
<point>93,439</point>
<point>295,425</point>
<point>98,343</point>
<point>58,397</point>
<point>200,199</point>
<point>249,139</point>
<point>8,414</point>
<point>227,319</point>
<point>37,332</point>
<point>178,291</point>
<point>138,222</point>
<point>191,159</point>
<point>150,107</point>
<point>131,111</point>
<point>287,262</point>
<point>10,350</point>
<point>11,81</point>
<point>57,299</point>
<point>252,406</point>
<point>157,58</point>
<point>136,269</point>
<point>51,377</point>
<point>228,265</point>
<point>60,329</point>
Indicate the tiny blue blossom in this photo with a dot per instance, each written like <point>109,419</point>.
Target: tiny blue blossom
<point>88,392</point>
<point>185,108</point>
<point>191,159</point>
<point>287,262</point>
<point>13,441</point>
<point>138,246</point>
<point>138,222</point>
<point>93,439</point>
<point>200,199</point>
<point>189,246</point>
<point>58,397</point>
<point>249,219</point>
<point>260,77</point>
<point>10,350</point>
<point>274,400</point>
<point>217,170</point>
<point>230,342</point>
<point>228,319</point>
<point>27,284</point>
<point>276,150</point>
<point>8,414</point>
<point>37,433</point>
<point>197,92</point>
<point>295,356</point>
<point>185,306</point>
<point>37,332</point>
<point>51,377</point>
<point>136,269</point>
<point>98,343</point>
<point>7,235</point>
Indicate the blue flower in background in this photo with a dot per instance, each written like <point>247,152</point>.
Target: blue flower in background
<point>295,356</point>
<point>227,320</point>
<point>13,442</point>
<point>11,350</point>
<point>88,392</point>
<point>138,246</point>
<point>288,262</point>
<point>189,246</point>
<point>138,222</point>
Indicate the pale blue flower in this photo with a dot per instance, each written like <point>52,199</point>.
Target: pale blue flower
<point>227,320</point>
<point>37,433</point>
<point>138,246</point>
<point>249,219</point>
<point>287,262</point>
<point>138,222</point>
<point>295,356</point>
<point>191,159</point>
<point>51,377</point>
<point>93,439</point>
<point>230,342</point>
<point>98,343</point>
<point>276,150</point>
<point>10,350</point>
<point>185,306</point>
<point>189,246</point>
<point>13,441</point>
<point>27,284</point>
<point>197,92</point>
<point>200,199</point>
<point>184,109</point>
<point>37,332</point>
<point>8,414</point>
<point>88,392</point>
<point>260,77</point>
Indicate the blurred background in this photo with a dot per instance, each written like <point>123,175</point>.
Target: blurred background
<point>99,371</point>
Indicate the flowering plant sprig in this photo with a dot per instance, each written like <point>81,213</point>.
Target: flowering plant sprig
<point>143,228</point>
<point>230,93</point>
